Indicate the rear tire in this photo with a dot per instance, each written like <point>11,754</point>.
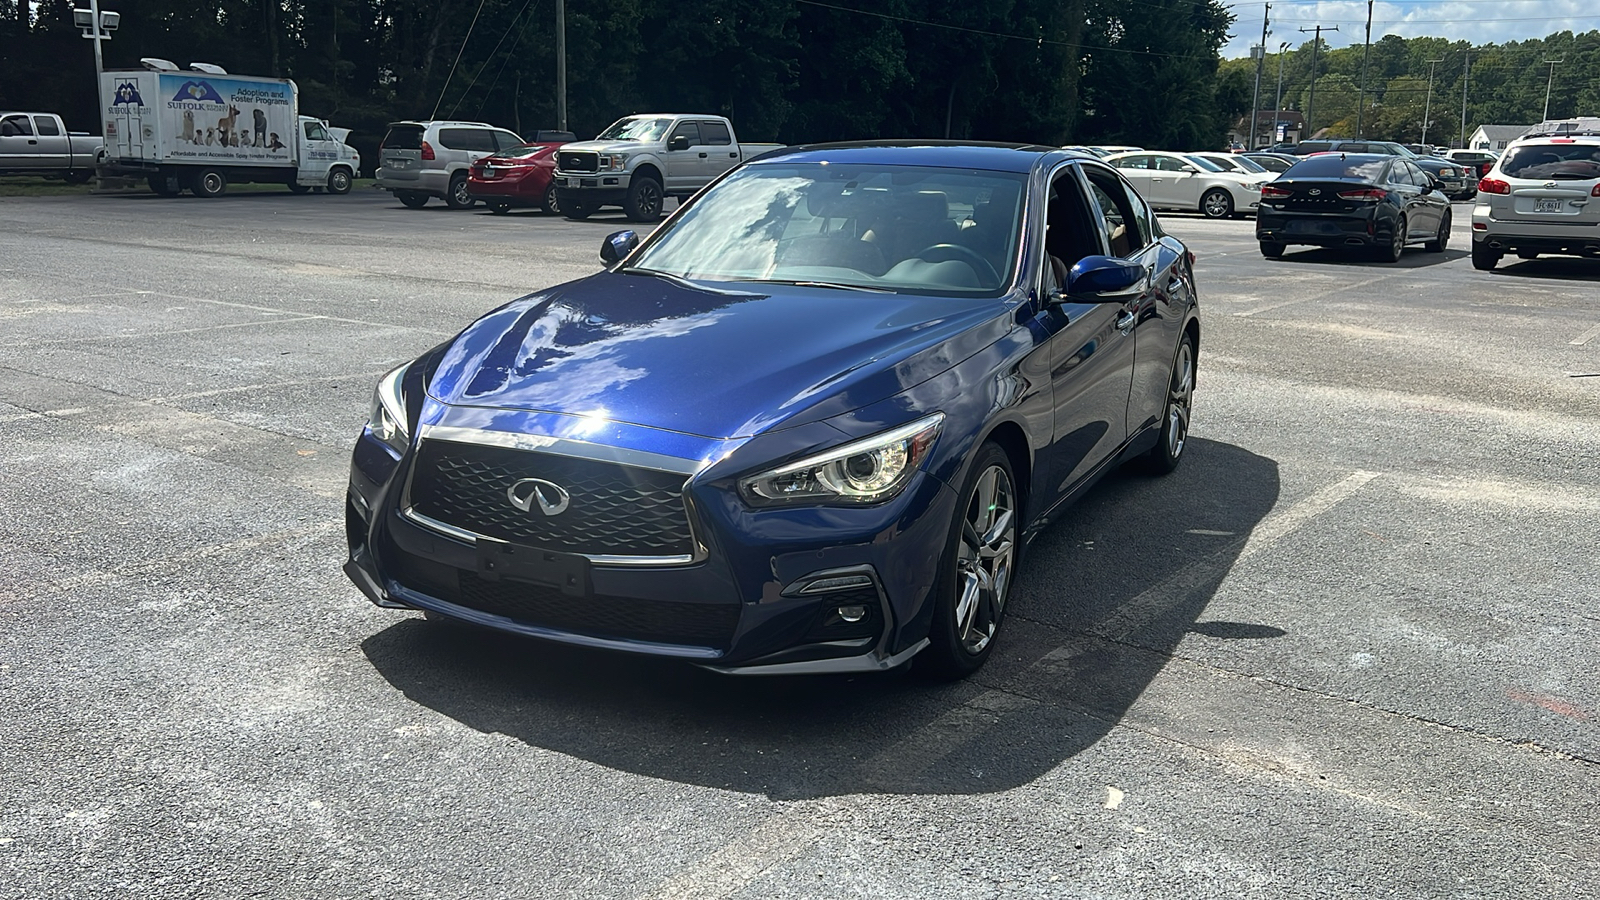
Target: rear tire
<point>1164,457</point>
<point>458,197</point>
<point>296,187</point>
<point>969,599</point>
<point>1483,258</point>
<point>1272,250</point>
<point>1527,254</point>
<point>500,208</point>
<point>164,185</point>
<point>1396,247</point>
<point>78,176</point>
<point>1442,239</point>
<point>411,199</point>
<point>208,183</point>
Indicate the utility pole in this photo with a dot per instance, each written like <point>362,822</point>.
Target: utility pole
<point>1361,104</point>
<point>1311,102</point>
<point>1427,105</point>
<point>1255,99</point>
<point>561,65</point>
<point>1466,78</point>
<point>1277,104</point>
<point>1548,85</point>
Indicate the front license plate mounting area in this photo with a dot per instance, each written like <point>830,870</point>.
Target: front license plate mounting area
<point>567,572</point>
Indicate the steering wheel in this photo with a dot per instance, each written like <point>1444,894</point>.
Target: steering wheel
<point>957,253</point>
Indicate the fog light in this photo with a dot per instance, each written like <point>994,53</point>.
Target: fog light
<point>837,583</point>
<point>851,614</point>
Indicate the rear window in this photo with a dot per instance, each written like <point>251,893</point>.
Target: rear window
<point>403,137</point>
<point>525,151</point>
<point>1336,167</point>
<point>1556,162</point>
<point>1313,146</point>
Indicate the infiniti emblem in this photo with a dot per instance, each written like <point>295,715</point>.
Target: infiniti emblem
<point>551,497</point>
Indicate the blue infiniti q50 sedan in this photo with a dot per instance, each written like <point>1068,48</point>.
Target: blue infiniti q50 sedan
<point>808,425</point>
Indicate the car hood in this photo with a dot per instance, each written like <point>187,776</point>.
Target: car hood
<point>708,361</point>
<point>606,146</point>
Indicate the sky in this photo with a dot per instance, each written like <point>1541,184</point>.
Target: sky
<point>1478,21</point>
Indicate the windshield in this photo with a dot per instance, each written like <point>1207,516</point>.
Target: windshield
<point>636,128</point>
<point>1247,164</point>
<point>1557,162</point>
<point>915,229</point>
<point>1204,163</point>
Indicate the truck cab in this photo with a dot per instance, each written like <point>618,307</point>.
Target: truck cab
<point>39,144</point>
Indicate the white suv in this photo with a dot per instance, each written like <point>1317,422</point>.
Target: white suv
<point>1543,196</point>
<point>419,160</point>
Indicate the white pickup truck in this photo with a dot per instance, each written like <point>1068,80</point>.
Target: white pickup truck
<point>642,159</point>
<point>38,144</point>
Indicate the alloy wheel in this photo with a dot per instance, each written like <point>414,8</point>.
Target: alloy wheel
<point>1217,204</point>
<point>983,563</point>
<point>649,200</point>
<point>463,195</point>
<point>1179,400</point>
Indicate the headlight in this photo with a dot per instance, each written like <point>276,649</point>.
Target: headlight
<point>1251,186</point>
<point>866,471</point>
<point>388,417</point>
<point>614,162</point>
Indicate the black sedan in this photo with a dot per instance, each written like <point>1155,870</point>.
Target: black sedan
<point>1366,200</point>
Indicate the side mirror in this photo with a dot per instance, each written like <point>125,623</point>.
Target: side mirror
<point>678,142</point>
<point>1188,169</point>
<point>1435,184</point>
<point>617,246</point>
<point>1103,278</point>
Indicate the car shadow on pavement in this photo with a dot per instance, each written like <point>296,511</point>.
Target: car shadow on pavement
<point>1413,258</point>
<point>1555,268</point>
<point>1100,605</point>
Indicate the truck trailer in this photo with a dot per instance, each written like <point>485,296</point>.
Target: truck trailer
<point>200,129</point>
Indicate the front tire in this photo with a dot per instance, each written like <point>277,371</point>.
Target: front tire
<point>1168,451</point>
<point>1216,204</point>
<point>1442,239</point>
<point>411,199</point>
<point>1483,258</point>
<point>977,566</point>
<point>458,196</point>
<point>339,181</point>
<point>551,203</point>
<point>575,211</point>
<point>645,200</point>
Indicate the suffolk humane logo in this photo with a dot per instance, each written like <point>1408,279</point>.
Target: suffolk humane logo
<point>197,92</point>
<point>127,95</point>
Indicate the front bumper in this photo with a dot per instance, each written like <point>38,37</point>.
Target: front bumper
<point>742,606</point>
<point>592,188</point>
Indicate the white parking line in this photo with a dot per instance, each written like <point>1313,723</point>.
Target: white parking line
<point>1309,298</point>
<point>1586,337</point>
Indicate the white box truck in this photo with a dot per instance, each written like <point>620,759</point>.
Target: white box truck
<point>201,128</point>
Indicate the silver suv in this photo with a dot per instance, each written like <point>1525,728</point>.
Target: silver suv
<point>419,160</point>
<point>1542,196</point>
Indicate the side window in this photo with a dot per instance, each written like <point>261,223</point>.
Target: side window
<point>715,133</point>
<point>315,132</point>
<point>1117,213</point>
<point>15,126</point>
<point>46,125</point>
<point>1133,162</point>
<point>689,130</point>
<point>1169,164</point>
<point>453,138</point>
<point>1070,232</point>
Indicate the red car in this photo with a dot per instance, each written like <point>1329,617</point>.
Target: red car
<point>519,178</point>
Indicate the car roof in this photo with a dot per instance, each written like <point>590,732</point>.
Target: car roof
<point>945,154</point>
<point>421,123</point>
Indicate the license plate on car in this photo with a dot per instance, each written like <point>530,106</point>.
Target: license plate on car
<point>1547,205</point>
<point>501,559</point>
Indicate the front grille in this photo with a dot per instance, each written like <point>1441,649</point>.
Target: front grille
<point>578,161</point>
<point>615,509</point>
<point>665,622</point>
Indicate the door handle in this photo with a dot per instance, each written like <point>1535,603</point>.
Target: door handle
<point>733,156</point>
<point>702,156</point>
<point>1125,320</point>
<point>33,142</point>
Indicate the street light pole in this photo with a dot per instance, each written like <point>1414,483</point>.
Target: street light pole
<point>1466,78</point>
<point>1277,104</point>
<point>1361,103</point>
<point>1548,85</point>
<point>1255,98</point>
<point>561,65</point>
<point>1427,105</point>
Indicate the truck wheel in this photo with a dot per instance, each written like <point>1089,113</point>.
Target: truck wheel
<point>458,197</point>
<point>575,210</point>
<point>164,185</point>
<point>339,181</point>
<point>500,208</point>
<point>411,199</point>
<point>296,187</point>
<point>644,200</point>
<point>209,183</point>
<point>78,176</point>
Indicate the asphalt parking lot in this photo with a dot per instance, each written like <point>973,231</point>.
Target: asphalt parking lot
<point>1351,648</point>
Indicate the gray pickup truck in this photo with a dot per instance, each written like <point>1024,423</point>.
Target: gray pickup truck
<point>642,159</point>
<point>38,144</point>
